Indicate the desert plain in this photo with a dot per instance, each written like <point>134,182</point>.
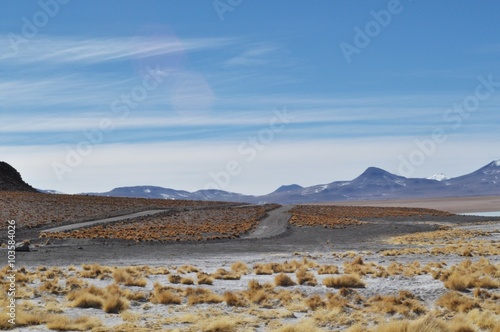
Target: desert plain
<point>119,264</point>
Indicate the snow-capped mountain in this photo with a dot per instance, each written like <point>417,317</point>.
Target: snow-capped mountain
<point>438,177</point>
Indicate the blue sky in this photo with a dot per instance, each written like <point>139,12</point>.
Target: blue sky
<point>185,94</point>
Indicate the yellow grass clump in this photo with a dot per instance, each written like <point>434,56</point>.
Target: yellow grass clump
<point>187,269</point>
<point>234,300</point>
<point>283,280</point>
<point>404,304</point>
<point>468,275</point>
<point>122,276</point>
<point>221,324</point>
<point>187,281</point>
<point>87,300</point>
<point>347,280</point>
<point>305,277</point>
<point>304,325</point>
<point>455,301</point>
<point>315,301</point>
<point>115,304</point>
<point>226,275</point>
<point>204,279</point>
<point>202,295</point>
<point>164,295</point>
<point>64,323</point>
<point>94,271</point>
<point>328,269</point>
<point>239,268</point>
<point>174,279</point>
<point>263,269</point>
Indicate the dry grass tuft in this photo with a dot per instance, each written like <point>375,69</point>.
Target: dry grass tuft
<point>23,318</point>
<point>94,271</point>
<point>347,280</point>
<point>122,276</point>
<point>87,300</point>
<point>345,298</point>
<point>174,279</point>
<point>328,269</point>
<point>404,304</point>
<point>486,320</point>
<point>187,269</point>
<point>221,324</point>
<point>115,304</point>
<point>283,280</point>
<point>204,279</point>
<point>202,295</point>
<point>73,283</point>
<point>304,325</point>
<point>226,275</point>
<point>164,295</point>
<point>52,286</point>
<point>129,316</point>
<point>315,301</point>
<point>239,268</point>
<point>457,302</point>
<point>234,300</point>
<point>467,275</point>
<point>64,323</point>
<point>263,269</point>
<point>305,277</point>
<point>187,281</point>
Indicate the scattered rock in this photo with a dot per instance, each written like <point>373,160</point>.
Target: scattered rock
<point>23,246</point>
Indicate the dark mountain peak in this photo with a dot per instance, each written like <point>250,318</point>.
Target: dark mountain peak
<point>491,168</point>
<point>11,180</point>
<point>289,187</point>
<point>494,164</point>
<point>375,172</point>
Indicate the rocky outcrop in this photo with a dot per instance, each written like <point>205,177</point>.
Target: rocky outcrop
<point>11,180</point>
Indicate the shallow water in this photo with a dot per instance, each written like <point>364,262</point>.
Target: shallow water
<point>483,214</point>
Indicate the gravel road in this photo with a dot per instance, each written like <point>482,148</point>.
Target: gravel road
<point>102,221</point>
<point>274,224</point>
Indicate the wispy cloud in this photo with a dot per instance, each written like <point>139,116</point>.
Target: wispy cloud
<point>59,50</point>
<point>254,56</point>
<point>60,90</point>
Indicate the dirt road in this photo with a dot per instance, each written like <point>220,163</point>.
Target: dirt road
<point>101,221</point>
<point>274,224</point>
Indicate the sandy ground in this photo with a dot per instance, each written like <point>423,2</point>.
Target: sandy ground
<point>452,204</point>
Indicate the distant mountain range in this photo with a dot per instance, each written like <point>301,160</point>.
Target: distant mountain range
<point>373,184</point>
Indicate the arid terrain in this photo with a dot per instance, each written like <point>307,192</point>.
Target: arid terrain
<point>208,266</point>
